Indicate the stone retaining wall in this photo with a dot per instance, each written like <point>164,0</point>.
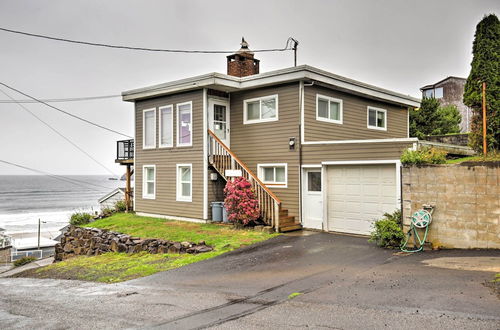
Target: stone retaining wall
<point>94,241</point>
<point>458,139</point>
<point>5,255</point>
<point>466,198</point>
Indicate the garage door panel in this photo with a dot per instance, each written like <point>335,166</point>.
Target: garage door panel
<point>358,195</point>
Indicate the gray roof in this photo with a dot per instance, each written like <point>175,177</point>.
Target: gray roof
<point>303,72</point>
<point>441,81</point>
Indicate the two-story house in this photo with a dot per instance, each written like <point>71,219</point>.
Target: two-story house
<point>450,91</point>
<point>322,151</point>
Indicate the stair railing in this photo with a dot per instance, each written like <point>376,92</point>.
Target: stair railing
<point>222,159</point>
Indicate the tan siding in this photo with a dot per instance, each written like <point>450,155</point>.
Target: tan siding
<point>315,154</point>
<point>354,118</point>
<point>166,159</point>
<point>268,142</point>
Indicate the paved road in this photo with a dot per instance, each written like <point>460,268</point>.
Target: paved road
<point>345,283</point>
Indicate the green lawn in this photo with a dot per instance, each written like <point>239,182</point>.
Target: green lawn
<point>488,158</point>
<point>117,267</point>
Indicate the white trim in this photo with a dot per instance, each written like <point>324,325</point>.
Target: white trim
<point>301,96</point>
<point>190,144</point>
<point>330,99</point>
<point>144,182</point>
<point>324,178</point>
<point>135,162</point>
<point>224,102</point>
<point>170,217</point>
<point>408,122</point>
<point>260,99</point>
<point>361,162</point>
<point>144,129</point>
<point>377,110</point>
<point>311,165</point>
<point>364,141</point>
<point>273,184</point>
<point>110,194</point>
<point>171,107</point>
<point>205,154</point>
<point>179,197</point>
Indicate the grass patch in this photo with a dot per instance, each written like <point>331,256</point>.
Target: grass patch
<point>497,278</point>
<point>118,267</point>
<point>489,158</point>
<point>294,294</point>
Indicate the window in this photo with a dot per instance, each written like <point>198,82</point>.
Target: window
<point>377,118</point>
<point>328,109</point>
<point>260,109</point>
<point>149,129</point>
<point>184,182</point>
<point>438,93</point>
<point>314,181</point>
<point>149,181</point>
<point>434,93</point>
<point>166,127</point>
<point>273,174</point>
<point>184,124</point>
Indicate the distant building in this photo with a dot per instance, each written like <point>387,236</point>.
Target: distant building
<point>450,91</point>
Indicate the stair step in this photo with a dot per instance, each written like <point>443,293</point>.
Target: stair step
<point>283,212</point>
<point>291,227</point>
<point>287,219</point>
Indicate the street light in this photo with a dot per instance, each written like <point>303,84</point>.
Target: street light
<point>39,224</point>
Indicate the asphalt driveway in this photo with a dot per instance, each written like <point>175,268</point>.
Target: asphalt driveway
<point>339,281</point>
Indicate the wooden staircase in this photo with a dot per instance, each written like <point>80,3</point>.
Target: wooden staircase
<point>271,210</point>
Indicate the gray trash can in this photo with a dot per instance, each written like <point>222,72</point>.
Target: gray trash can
<point>217,211</point>
<point>224,214</point>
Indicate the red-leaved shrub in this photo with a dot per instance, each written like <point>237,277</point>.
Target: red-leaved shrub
<point>240,202</point>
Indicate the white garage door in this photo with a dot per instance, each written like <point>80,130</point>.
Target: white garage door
<point>360,194</point>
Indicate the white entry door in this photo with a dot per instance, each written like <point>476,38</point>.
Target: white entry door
<point>312,198</point>
<point>218,112</point>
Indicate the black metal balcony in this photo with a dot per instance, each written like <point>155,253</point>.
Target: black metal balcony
<point>125,151</point>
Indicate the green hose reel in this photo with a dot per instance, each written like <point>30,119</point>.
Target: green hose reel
<point>419,220</point>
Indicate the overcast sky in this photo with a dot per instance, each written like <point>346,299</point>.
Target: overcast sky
<point>399,45</point>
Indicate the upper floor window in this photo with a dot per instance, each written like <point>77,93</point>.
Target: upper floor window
<point>260,109</point>
<point>328,109</point>
<point>166,126</point>
<point>149,129</point>
<point>184,124</point>
<point>149,181</point>
<point>184,182</point>
<point>273,174</point>
<point>377,118</point>
<point>436,93</point>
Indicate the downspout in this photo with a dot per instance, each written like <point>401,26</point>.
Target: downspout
<point>301,96</point>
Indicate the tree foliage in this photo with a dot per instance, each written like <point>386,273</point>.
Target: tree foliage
<point>433,119</point>
<point>485,67</point>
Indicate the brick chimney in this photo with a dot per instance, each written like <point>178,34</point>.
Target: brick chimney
<point>242,63</point>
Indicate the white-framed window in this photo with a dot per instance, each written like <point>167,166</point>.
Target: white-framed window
<point>166,135</point>
<point>377,118</point>
<point>261,109</point>
<point>185,124</point>
<point>274,175</point>
<point>149,182</point>
<point>329,109</point>
<point>149,128</point>
<point>436,93</point>
<point>184,182</point>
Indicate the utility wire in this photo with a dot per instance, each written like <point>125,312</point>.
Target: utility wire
<point>60,134</point>
<point>287,46</point>
<point>65,112</point>
<point>71,99</point>
<point>55,176</point>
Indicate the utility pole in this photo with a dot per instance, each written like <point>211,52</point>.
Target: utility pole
<point>39,233</point>
<point>485,145</point>
<point>295,46</point>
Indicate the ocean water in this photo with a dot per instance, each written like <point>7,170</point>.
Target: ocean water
<point>26,198</point>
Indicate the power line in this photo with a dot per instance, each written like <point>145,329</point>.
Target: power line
<point>55,176</point>
<point>88,43</point>
<point>71,99</point>
<point>60,134</point>
<point>65,112</point>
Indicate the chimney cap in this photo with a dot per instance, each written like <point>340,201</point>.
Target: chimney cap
<point>244,47</point>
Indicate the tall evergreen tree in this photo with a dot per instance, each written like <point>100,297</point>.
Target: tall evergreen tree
<point>485,67</point>
<point>432,119</point>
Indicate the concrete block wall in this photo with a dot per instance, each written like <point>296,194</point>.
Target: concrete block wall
<point>5,255</point>
<point>466,198</point>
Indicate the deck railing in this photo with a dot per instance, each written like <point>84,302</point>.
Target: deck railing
<point>222,159</point>
<point>125,149</point>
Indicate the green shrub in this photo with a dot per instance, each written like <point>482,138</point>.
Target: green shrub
<point>423,155</point>
<point>24,261</point>
<point>80,218</point>
<point>120,206</point>
<point>107,212</point>
<point>387,231</point>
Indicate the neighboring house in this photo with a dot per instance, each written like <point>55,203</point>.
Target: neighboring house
<point>322,151</point>
<point>450,91</point>
<point>110,199</point>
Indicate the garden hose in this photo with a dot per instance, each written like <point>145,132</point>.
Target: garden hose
<point>419,220</point>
